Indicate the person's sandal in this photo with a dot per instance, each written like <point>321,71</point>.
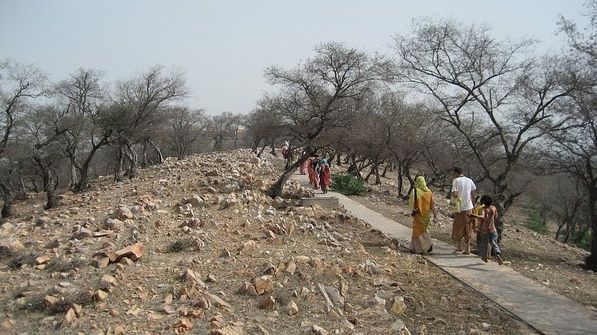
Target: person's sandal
<point>499,259</point>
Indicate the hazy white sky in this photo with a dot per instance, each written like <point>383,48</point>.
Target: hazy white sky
<point>224,46</point>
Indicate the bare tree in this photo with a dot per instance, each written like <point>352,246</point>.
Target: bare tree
<point>141,102</point>
<point>574,149</point>
<point>320,95</point>
<point>185,127</point>
<point>491,92</point>
<point>85,100</point>
<point>46,126</point>
<point>263,126</point>
<point>221,128</point>
<point>19,84</point>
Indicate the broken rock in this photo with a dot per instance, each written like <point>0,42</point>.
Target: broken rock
<point>133,252</point>
<point>263,284</point>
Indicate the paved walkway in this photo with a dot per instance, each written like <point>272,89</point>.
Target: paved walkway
<point>543,309</point>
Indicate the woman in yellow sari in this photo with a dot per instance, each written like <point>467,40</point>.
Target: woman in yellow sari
<point>421,201</point>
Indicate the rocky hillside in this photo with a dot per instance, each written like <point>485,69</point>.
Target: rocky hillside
<point>196,246</point>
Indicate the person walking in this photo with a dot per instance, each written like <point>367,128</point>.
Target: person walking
<point>463,193</point>
<point>486,232</point>
<point>324,175</point>
<point>421,201</point>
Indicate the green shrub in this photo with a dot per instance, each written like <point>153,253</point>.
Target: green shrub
<point>536,222</point>
<point>348,184</point>
<point>584,241</point>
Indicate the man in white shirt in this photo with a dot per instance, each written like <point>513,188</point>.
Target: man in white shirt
<point>463,191</point>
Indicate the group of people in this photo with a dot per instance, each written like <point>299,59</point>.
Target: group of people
<point>318,170</point>
<point>469,213</point>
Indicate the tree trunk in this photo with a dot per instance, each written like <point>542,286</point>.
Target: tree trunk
<point>273,151</point>
<point>145,161</point>
<point>591,260</point>
<point>119,167</point>
<point>560,226</point>
<point>131,155</point>
<point>49,188</point>
<point>400,180</point>
<point>276,189</point>
<point>354,169</point>
<point>377,177</point>
<point>385,170</point>
<point>261,151</point>
<point>159,152</point>
<point>7,199</point>
<point>74,175</point>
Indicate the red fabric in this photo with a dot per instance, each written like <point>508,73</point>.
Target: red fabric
<point>325,180</point>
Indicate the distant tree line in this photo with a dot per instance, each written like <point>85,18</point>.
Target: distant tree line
<point>58,135</point>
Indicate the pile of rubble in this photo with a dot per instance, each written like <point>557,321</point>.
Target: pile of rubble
<point>197,246</point>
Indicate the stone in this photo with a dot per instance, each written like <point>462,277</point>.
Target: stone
<point>7,324</point>
<point>102,233</point>
<point>134,311</point>
<point>263,284</point>
<point>42,259</point>
<point>168,309</point>
<point>397,306</point>
<point>268,302</point>
<point>194,200</point>
<point>78,309</point>
<point>101,263</point>
<point>119,330</point>
<point>182,325</point>
<point>113,224</point>
<point>168,298</point>
<point>225,253</point>
<point>126,261</point>
<point>134,252</point>
<point>343,288</point>
<point>50,301</point>
<point>399,327</point>
<point>123,213</point>
<point>291,308</point>
<point>190,276</point>
<point>334,295</point>
<point>218,302</point>
<point>236,328</point>
<point>100,295</point>
<point>192,223</point>
<point>109,280</point>
<point>201,302</point>
<point>82,233</point>
<point>316,330</point>
<point>486,326</point>
<point>69,318</point>
<point>291,267</point>
<point>10,245</point>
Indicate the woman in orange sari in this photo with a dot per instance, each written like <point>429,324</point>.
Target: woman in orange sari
<point>421,201</point>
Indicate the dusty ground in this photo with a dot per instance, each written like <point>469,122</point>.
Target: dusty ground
<point>536,256</point>
<point>221,257</point>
